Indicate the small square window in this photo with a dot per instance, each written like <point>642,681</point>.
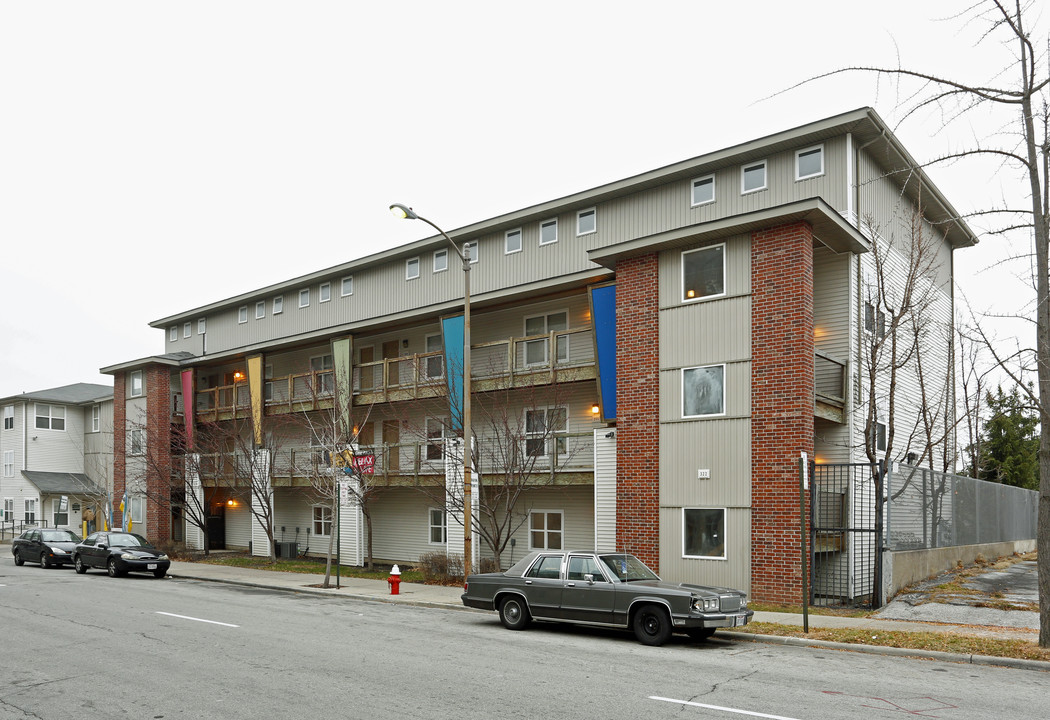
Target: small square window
<point>202,325</point>
<point>512,241</point>
<point>278,305</point>
<point>703,190</point>
<point>809,162</point>
<point>586,221</point>
<point>411,268</point>
<point>187,330</point>
<point>346,287</point>
<point>704,533</point>
<point>242,314</point>
<point>545,531</point>
<point>304,297</point>
<point>440,260</point>
<point>470,251</point>
<point>324,292</point>
<point>703,273</point>
<point>549,232</point>
<point>173,333</point>
<point>753,177</point>
<point>260,310</point>
<point>703,391</point>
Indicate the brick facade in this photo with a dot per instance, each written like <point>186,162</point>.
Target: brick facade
<point>638,405</point>
<point>120,438</point>
<point>782,396</point>
<point>158,444</point>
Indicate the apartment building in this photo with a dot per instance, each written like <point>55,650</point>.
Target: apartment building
<point>57,452</point>
<point>648,358</point>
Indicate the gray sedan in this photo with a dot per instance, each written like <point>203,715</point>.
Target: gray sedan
<point>612,589</point>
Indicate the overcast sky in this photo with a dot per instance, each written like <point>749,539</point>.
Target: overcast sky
<point>156,157</point>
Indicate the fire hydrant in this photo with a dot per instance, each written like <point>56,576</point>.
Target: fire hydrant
<point>394,581</point>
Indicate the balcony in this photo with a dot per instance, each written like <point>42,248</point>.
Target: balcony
<point>561,356</point>
<point>830,375</point>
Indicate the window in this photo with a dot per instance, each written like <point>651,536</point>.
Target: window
<point>440,261</point>
<point>59,512</point>
<point>545,432</point>
<point>304,297</point>
<point>438,529</point>
<point>30,511</point>
<point>96,418</point>
<point>187,329</point>
<point>580,566</point>
<point>880,324</point>
<point>512,241</point>
<point>9,509</point>
<point>704,273</point>
<point>545,533</point>
<point>324,377</point>
<point>202,325</point>
<point>346,286</point>
<point>9,417</point>
<point>136,442</point>
<point>547,567</point>
<point>549,232</point>
<point>322,520</point>
<point>50,417</point>
<point>268,385</point>
<point>136,383</point>
<point>704,533</point>
<point>435,439</point>
<point>470,251</point>
<point>874,320</point>
<point>536,350</point>
<point>435,364</point>
<point>9,463</point>
<point>703,190</point>
<point>411,268</point>
<point>880,436</point>
<point>242,314</point>
<point>753,177</point>
<point>138,505</point>
<point>809,162</point>
<point>260,310</point>
<point>173,333</point>
<point>325,292</point>
<point>278,305</point>
<point>703,391</point>
<point>586,221</point>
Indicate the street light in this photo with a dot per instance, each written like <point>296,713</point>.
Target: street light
<point>403,212</point>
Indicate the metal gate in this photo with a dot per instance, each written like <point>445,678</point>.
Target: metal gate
<point>845,535</point>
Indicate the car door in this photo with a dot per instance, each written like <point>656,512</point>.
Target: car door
<point>587,596</point>
<point>33,546</point>
<point>543,585</point>
<point>89,550</point>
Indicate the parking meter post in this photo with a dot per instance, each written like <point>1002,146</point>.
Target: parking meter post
<point>802,535</point>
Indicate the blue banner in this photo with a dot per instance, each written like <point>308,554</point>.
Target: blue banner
<point>452,340</point>
<point>603,310</point>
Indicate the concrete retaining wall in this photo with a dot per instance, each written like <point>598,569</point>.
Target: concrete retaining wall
<point>908,566</point>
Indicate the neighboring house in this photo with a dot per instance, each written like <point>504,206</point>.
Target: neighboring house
<point>57,451</point>
<point>674,339</point>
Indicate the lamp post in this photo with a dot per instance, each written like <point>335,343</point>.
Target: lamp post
<point>404,212</point>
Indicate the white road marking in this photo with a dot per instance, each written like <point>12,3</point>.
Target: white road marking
<point>723,709</point>
<point>213,622</point>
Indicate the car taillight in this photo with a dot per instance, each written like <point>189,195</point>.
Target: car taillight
<point>464,587</point>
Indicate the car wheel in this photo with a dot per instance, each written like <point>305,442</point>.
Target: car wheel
<point>513,613</point>
<point>700,633</point>
<point>652,626</point>
<point>111,568</point>
<point>159,573</point>
<point>44,562</point>
<point>79,565</point>
<point>18,559</point>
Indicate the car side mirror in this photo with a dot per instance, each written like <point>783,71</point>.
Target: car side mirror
<point>589,578</point>
<point>103,546</point>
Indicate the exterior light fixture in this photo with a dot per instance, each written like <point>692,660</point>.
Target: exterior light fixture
<point>595,409</point>
<point>231,502</point>
<point>238,376</point>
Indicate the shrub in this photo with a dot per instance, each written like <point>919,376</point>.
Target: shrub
<point>441,569</point>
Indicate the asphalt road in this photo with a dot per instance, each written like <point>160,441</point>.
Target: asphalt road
<point>94,647</point>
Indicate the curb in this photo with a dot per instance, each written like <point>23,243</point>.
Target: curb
<point>1015,663</point>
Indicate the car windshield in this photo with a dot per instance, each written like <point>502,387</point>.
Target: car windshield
<point>58,536</point>
<point>127,540</point>
<point>628,568</point>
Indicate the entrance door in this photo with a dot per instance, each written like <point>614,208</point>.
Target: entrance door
<point>391,350</point>
<point>217,526</point>
<point>366,375</point>
<point>392,439</point>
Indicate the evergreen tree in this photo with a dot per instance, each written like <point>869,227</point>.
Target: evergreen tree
<point>1011,441</point>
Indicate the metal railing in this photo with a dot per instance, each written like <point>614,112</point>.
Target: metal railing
<point>830,375</point>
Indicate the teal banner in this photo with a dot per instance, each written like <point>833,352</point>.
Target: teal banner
<point>452,340</point>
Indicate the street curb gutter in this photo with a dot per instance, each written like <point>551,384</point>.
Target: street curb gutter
<point>1015,663</point>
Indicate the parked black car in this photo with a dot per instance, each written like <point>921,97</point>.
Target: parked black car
<point>47,546</point>
<point>119,553</point>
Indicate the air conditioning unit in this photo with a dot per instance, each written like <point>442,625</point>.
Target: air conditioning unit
<point>286,550</point>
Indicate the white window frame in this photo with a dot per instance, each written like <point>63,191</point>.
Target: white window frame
<point>554,441</point>
<point>136,443</point>
<point>508,248</point>
<point>202,326</point>
<point>96,418</point>
<point>693,202</point>
<point>346,286</point>
<point>561,344</point>
<point>546,532</point>
<point>806,151</point>
<point>322,521</point>
<point>743,175</point>
<point>29,511</point>
<point>138,508</point>
<point>441,525</point>
<point>9,417</point>
<point>323,367</point>
<point>412,268</point>
<point>708,248</point>
<point>725,534</point>
<point>9,463</point>
<point>135,383</point>
<point>260,310</point>
<point>440,260</point>
<point>470,251</point>
<point>682,390</point>
<point>435,428</point>
<point>304,298</point>
<point>593,213</point>
<point>277,305</point>
<point>173,333</point>
<point>324,293</point>
<point>434,362</point>
<point>56,512</point>
<point>51,416</point>
<point>9,509</point>
<point>268,385</point>
<point>549,223</point>
<point>187,329</point>
<point>242,314</point>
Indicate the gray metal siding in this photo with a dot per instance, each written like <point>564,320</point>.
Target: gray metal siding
<point>734,571</point>
<point>721,446</point>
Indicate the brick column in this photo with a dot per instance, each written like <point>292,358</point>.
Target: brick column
<point>120,437</point>
<point>637,402</point>
<point>158,446</point>
<point>782,396</point>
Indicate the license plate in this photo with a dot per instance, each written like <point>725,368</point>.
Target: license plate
<point>739,620</point>
<point>153,566</point>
